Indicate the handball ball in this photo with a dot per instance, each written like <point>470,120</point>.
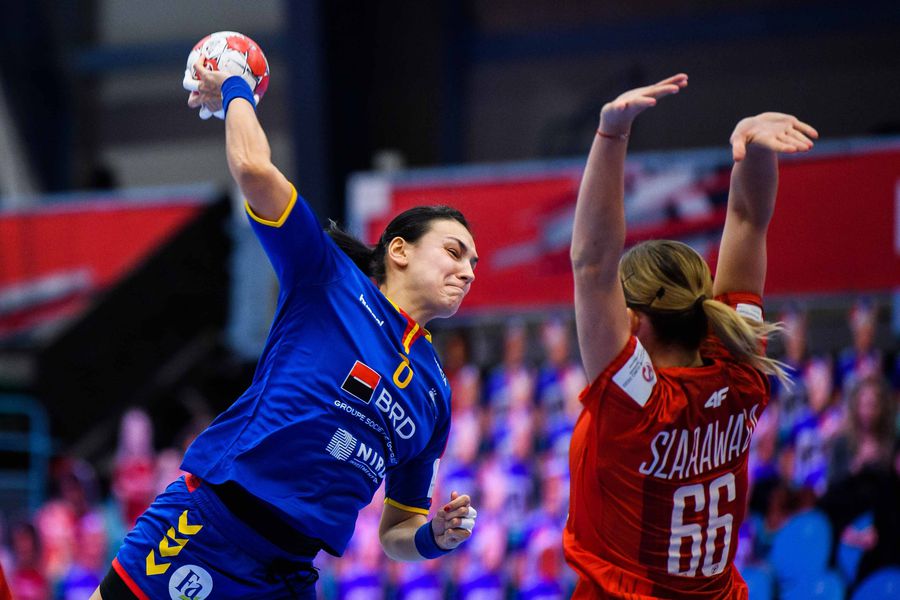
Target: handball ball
<point>230,52</point>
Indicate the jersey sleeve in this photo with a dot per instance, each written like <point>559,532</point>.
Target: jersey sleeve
<point>746,304</point>
<point>629,380</point>
<point>410,486</point>
<point>299,250</point>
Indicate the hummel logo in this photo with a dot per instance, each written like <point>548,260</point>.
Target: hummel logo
<point>716,399</point>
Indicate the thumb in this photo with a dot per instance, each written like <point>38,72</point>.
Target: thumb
<point>738,149</point>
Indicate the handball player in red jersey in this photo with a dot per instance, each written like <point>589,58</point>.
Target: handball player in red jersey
<point>678,373</point>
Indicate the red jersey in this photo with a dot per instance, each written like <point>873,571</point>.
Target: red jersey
<point>658,465</point>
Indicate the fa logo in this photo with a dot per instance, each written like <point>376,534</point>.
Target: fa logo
<point>715,400</point>
<point>190,582</point>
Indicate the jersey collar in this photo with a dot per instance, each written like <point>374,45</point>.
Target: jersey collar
<point>413,331</point>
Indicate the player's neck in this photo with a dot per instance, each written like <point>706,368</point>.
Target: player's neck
<point>405,301</point>
<point>665,357</point>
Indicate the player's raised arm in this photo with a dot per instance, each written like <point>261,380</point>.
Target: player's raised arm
<point>598,235</point>
<point>756,142</point>
<point>249,157</point>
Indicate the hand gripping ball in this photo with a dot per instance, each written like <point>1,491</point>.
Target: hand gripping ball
<point>230,52</point>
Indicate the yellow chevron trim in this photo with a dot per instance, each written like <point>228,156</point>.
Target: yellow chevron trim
<point>185,528</point>
<point>153,568</point>
<point>167,549</point>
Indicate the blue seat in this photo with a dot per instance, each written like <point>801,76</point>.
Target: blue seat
<point>801,548</point>
<point>760,582</point>
<point>828,585</point>
<point>848,557</point>
<point>883,584</point>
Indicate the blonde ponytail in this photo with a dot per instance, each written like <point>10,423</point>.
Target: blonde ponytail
<point>672,285</point>
<point>745,338</point>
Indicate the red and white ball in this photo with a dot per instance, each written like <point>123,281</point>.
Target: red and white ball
<point>230,52</point>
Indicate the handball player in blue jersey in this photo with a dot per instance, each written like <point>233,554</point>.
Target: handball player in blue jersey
<point>348,392</point>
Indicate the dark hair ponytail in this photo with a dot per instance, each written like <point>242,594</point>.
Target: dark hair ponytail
<point>410,225</point>
<point>361,254</point>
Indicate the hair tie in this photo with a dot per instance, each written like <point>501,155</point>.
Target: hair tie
<point>659,294</point>
<point>698,303</point>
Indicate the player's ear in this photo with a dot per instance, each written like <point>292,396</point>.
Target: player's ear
<point>634,321</point>
<point>398,252</point>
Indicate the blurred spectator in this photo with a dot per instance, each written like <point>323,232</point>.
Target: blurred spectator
<point>863,358</point>
<point>478,569</point>
<point>167,468</point>
<point>510,386</point>
<point>817,423</point>
<point>543,572</point>
<point>790,401</point>
<point>360,573</point>
<point>464,377</point>
<point>27,578</point>
<point>869,431</point>
<point>559,381</point>
<point>875,490</point>
<point>134,481</point>
<point>420,581</point>
<point>57,521</point>
<point>459,466</point>
<point>89,565</point>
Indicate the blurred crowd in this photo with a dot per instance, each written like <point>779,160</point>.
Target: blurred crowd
<point>829,443</point>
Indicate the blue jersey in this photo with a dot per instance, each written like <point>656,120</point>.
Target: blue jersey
<point>348,392</point>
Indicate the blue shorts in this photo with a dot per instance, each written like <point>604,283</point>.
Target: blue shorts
<point>188,546</point>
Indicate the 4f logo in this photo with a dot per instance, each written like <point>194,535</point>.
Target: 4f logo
<point>190,582</point>
<point>718,396</point>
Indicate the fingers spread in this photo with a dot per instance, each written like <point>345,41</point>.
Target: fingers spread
<point>680,79</point>
<point>807,129</point>
<point>664,90</point>
<point>798,136</point>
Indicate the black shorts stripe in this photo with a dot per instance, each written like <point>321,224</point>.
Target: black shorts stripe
<point>114,588</point>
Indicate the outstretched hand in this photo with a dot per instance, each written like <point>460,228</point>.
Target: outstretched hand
<point>617,116</point>
<point>775,131</point>
<point>453,523</point>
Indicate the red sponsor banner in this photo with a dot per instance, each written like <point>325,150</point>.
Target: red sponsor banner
<point>54,260</point>
<point>836,225</point>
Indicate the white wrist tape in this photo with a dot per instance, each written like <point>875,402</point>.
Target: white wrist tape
<point>468,521</point>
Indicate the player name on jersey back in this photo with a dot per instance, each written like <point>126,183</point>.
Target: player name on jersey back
<point>680,453</point>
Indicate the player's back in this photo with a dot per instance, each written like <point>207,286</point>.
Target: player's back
<point>659,458</point>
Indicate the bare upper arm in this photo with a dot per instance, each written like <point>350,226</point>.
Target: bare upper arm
<point>267,191</point>
<point>392,516</point>
<point>601,318</point>
<point>741,265</point>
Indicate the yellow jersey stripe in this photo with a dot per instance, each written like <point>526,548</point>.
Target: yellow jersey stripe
<point>412,509</point>
<point>425,332</point>
<point>412,335</point>
<point>282,218</point>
